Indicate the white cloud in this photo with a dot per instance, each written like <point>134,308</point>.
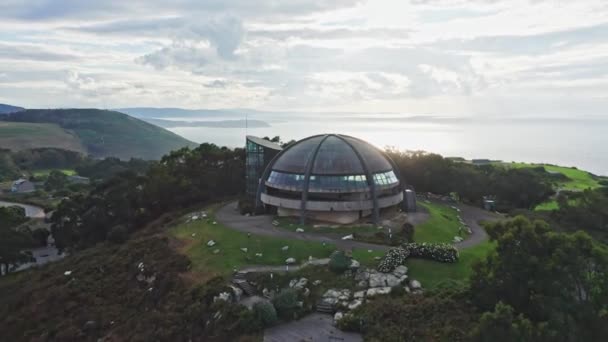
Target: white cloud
<point>429,56</point>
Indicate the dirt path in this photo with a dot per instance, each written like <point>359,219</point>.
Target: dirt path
<point>262,225</point>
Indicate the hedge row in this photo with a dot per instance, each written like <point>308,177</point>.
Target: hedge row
<point>441,252</point>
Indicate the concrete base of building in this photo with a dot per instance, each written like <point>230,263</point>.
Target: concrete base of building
<point>335,217</point>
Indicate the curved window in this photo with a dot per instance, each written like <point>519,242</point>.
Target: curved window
<point>318,183</point>
<point>385,178</point>
<point>283,179</point>
<point>338,183</point>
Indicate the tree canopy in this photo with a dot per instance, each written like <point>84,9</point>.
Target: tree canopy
<point>558,281</point>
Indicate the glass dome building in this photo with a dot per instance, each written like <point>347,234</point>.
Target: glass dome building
<point>332,178</point>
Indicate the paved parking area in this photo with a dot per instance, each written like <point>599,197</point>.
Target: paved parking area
<point>312,328</point>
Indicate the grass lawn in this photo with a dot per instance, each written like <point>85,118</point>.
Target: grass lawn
<point>432,273</point>
<point>46,172</point>
<point>441,226</point>
<point>230,242</point>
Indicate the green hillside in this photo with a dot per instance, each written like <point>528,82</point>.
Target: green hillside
<point>18,136</point>
<point>101,133</point>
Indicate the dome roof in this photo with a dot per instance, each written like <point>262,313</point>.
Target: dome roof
<point>331,154</point>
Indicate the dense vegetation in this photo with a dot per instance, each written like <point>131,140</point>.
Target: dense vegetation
<point>4,108</point>
<point>538,285</point>
<point>105,133</point>
<point>118,292</point>
<point>129,200</point>
<point>511,187</point>
<point>586,210</point>
<point>13,241</point>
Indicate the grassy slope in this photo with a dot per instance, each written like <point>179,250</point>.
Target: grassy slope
<point>230,242</point>
<point>23,135</point>
<point>431,273</point>
<point>578,180</point>
<point>441,226</point>
<point>108,133</point>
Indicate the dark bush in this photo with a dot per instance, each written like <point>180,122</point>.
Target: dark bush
<point>118,234</point>
<point>339,262</point>
<point>286,303</point>
<point>266,313</point>
<point>408,232</point>
<point>40,236</point>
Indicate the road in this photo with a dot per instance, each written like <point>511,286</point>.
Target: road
<point>30,210</point>
<point>229,216</point>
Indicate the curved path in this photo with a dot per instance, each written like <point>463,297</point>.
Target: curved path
<point>229,216</point>
<point>30,210</point>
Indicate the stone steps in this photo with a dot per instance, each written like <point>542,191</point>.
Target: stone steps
<point>245,286</point>
<point>325,308</point>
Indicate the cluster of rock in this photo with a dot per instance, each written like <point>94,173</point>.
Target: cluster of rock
<point>464,227</point>
<point>195,216</point>
<point>145,278</point>
<point>233,295</point>
<point>371,283</point>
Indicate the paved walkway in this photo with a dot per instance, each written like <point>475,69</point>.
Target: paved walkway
<point>314,328</point>
<point>262,225</point>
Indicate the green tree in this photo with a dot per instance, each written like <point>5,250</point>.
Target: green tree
<point>56,180</point>
<point>557,278</point>
<point>13,241</point>
<point>502,325</point>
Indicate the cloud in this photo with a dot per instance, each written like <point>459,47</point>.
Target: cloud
<point>34,53</point>
<point>341,54</point>
<point>531,44</point>
<point>79,10</point>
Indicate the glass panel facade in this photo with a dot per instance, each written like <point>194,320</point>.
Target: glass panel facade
<point>385,178</point>
<point>254,166</point>
<point>349,183</point>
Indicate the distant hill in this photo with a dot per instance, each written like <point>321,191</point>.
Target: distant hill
<point>4,108</point>
<point>100,133</point>
<point>215,123</point>
<point>166,113</point>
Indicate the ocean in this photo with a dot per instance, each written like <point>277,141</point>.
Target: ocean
<point>579,142</point>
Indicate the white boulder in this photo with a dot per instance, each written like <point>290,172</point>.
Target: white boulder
<point>290,261</point>
<point>415,284</point>
<point>244,249</point>
<point>348,237</point>
<point>400,271</point>
<point>378,291</point>
<point>211,243</point>
<point>354,264</point>
<point>285,248</point>
<point>299,230</point>
<point>355,304</point>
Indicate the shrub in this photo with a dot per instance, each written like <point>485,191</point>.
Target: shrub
<point>393,258</point>
<point>350,322</point>
<point>118,234</point>
<point>339,262</point>
<point>441,252</point>
<point>408,232</point>
<point>266,313</point>
<point>286,303</point>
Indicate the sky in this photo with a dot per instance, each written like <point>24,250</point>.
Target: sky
<point>498,58</point>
